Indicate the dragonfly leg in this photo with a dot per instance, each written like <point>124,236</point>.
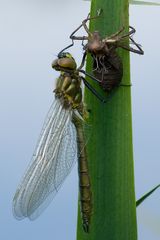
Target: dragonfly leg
<point>71,45</point>
<point>138,50</point>
<point>89,75</point>
<point>83,61</point>
<point>116,34</point>
<point>87,84</point>
<point>84,24</point>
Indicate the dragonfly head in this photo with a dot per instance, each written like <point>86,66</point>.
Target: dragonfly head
<point>65,61</point>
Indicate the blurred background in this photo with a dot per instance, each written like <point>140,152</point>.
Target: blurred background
<point>32,33</point>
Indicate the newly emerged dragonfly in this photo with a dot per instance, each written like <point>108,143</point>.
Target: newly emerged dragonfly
<point>107,64</point>
<point>60,145</point>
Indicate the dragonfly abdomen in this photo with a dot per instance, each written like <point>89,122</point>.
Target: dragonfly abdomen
<point>109,70</point>
<point>85,198</point>
<point>84,179</point>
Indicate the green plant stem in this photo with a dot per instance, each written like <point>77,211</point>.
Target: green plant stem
<point>110,152</point>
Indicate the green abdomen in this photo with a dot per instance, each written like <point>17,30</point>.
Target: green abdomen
<point>84,178</point>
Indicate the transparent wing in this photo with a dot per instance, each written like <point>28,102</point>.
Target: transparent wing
<point>52,161</point>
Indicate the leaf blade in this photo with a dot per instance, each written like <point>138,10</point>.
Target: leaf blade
<point>136,2</point>
<point>144,197</point>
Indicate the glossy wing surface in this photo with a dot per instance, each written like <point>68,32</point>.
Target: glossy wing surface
<point>52,161</point>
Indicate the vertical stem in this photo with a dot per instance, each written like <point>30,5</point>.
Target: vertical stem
<point>110,150</point>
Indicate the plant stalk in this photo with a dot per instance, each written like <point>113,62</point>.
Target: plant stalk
<point>110,150</point>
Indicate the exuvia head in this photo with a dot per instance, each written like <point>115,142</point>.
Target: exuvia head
<point>64,61</point>
<point>95,43</point>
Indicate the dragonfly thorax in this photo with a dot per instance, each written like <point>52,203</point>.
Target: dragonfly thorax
<point>68,89</point>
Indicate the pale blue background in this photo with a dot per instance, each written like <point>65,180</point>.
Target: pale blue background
<point>31,33</point>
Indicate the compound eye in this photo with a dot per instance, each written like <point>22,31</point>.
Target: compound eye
<point>67,63</point>
<point>64,55</point>
<point>55,63</point>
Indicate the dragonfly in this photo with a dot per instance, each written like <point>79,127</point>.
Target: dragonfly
<point>60,145</point>
<point>107,64</point>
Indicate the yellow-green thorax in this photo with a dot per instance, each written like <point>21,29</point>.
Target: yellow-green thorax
<point>68,86</point>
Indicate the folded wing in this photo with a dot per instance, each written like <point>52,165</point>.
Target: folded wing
<point>55,154</point>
